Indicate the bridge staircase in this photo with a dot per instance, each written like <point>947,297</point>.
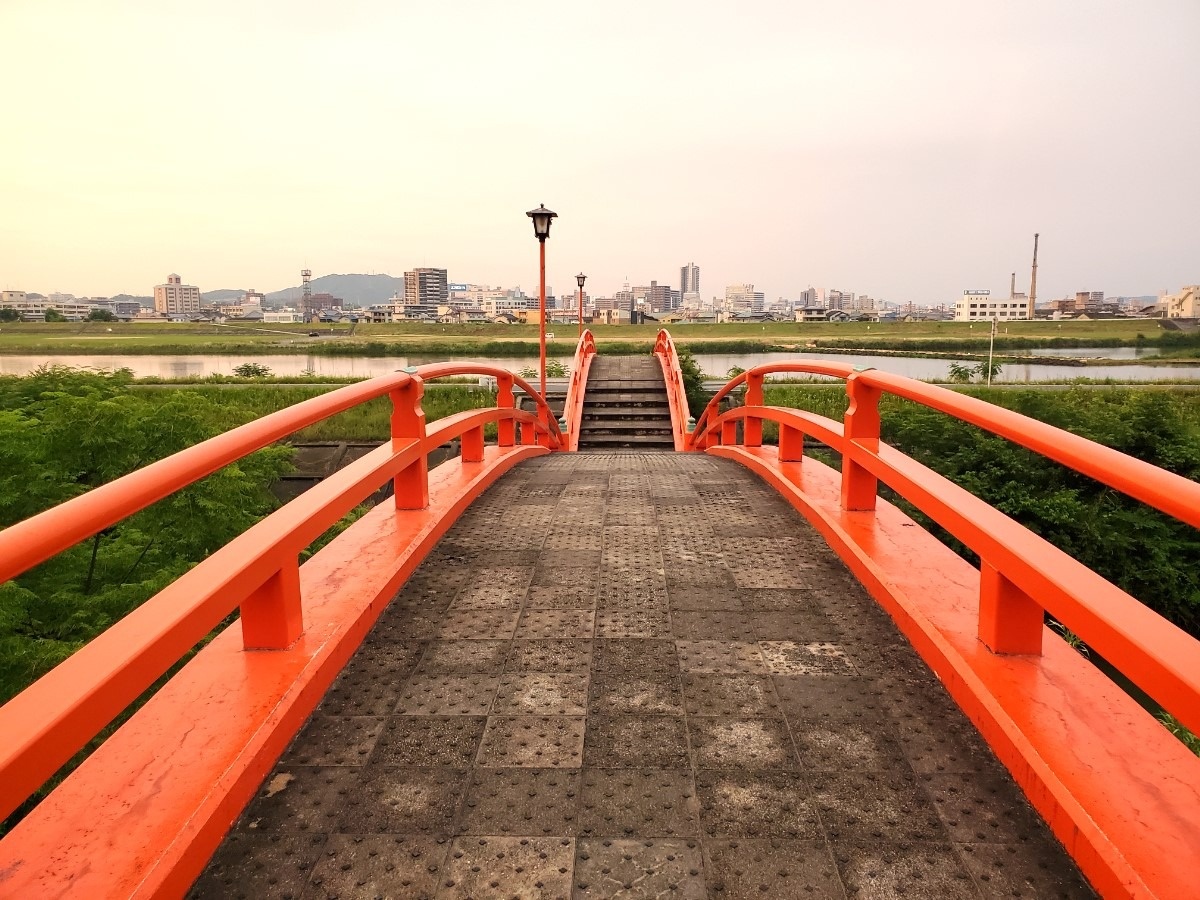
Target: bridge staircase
<point>626,406</point>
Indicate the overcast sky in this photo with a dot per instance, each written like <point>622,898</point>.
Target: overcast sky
<point>907,150</point>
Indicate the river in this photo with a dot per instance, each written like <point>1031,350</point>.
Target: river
<point>713,364</point>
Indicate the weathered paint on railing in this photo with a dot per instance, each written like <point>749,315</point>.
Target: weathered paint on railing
<point>585,351</point>
<point>668,357</point>
<point>50,721</point>
<point>1128,817</point>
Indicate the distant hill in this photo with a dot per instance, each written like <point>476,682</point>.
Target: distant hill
<point>223,294</point>
<point>145,301</point>
<point>355,290</point>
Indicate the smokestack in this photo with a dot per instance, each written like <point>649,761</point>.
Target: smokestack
<point>1012,287</point>
<point>1033,280</point>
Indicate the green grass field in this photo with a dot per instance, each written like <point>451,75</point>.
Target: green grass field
<point>515,340</point>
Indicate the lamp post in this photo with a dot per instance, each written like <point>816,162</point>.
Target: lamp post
<point>579,280</point>
<point>541,228</point>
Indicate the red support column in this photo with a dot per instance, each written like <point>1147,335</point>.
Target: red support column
<point>752,427</point>
<point>411,485</point>
<point>505,428</point>
<point>472,445</point>
<point>791,444</point>
<point>272,616</point>
<point>1010,621</point>
<point>859,486</point>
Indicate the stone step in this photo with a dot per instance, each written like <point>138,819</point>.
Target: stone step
<point>657,411</point>
<point>625,440</point>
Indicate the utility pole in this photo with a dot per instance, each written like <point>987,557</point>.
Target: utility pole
<point>1033,280</point>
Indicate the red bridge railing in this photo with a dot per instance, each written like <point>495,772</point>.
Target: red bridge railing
<point>585,352</point>
<point>1104,787</point>
<point>258,572</point>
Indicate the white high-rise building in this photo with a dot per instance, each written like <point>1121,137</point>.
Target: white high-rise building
<point>176,297</point>
<point>689,279</point>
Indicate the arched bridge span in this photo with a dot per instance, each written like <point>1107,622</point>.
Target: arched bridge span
<point>615,672</point>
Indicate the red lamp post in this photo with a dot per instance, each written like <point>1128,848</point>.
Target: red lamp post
<point>541,228</point>
<point>579,280</point>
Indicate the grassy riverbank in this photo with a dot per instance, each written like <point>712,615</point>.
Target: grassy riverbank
<point>404,339</point>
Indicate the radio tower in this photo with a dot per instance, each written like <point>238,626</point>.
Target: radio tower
<point>306,297</point>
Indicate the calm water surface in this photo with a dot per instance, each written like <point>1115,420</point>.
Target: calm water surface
<point>713,364</point>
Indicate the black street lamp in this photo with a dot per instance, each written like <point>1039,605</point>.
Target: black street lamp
<point>541,228</point>
<point>579,280</point>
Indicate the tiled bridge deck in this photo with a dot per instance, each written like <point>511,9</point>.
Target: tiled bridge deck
<point>625,675</point>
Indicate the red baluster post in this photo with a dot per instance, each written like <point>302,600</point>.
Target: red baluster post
<point>506,432</point>
<point>752,425</point>
<point>411,484</point>
<point>859,486</point>
<point>1010,621</point>
<point>272,615</point>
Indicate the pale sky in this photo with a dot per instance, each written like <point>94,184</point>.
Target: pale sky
<point>907,150</point>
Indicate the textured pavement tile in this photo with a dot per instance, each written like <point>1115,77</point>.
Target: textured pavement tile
<point>619,623</point>
<point>300,798</point>
<point>486,867</point>
<point>542,694</point>
<point>259,865</point>
<point>746,868</point>
<point>984,808</point>
<point>953,746</point>
<point>635,695</point>
<point>533,741</point>
<point>473,624</point>
<point>756,804</point>
<point>730,695</point>
<point>522,802</point>
<point>542,624</point>
<point>875,806</point>
<point>726,743</point>
<point>765,600</point>
<point>464,657</point>
<point>712,590</point>
<point>806,626</point>
<point>720,657</point>
<point>636,657</point>
<point>636,742</point>
<point>335,741</point>
<point>710,625</point>
<point>817,698</point>
<point>371,682</point>
<point>846,746</point>
<point>395,800</point>
<point>629,869</point>
<point>903,870</point>
<point>1024,870</point>
<point>638,803</point>
<point>550,656</point>
<point>565,596</point>
<point>817,658</point>
<point>429,741</point>
<point>494,588</point>
<point>754,577</point>
<point>448,695</point>
<point>377,865</point>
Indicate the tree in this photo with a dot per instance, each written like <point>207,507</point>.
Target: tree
<point>102,315</point>
<point>8,314</point>
<point>252,370</point>
<point>53,315</point>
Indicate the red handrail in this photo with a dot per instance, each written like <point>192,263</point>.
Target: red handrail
<point>1023,574</point>
<point>52,719</point>
<point>585,351</point>
<point>668,357</point>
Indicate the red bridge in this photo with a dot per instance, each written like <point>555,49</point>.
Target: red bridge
<point>725,671</point>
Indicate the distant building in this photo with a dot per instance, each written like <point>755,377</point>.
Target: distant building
<point>743,298</point>
<point>981,306</point>
<point>174,297</point>
<point>425,287</point>
<point>13,298</point>
<point>1185,304</point>
<point>324,301</point>
<point>689,279</point>
<point>835,299</point>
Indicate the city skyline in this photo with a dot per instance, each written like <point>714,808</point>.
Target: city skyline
<point>908,152</point>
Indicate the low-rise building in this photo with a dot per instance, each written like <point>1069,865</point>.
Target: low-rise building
<point>981,306</point>
<point>1185,304</point>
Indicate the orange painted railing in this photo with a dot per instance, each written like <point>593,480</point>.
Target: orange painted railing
<point>668,357</point>
<point>258,572</point>
<point>1117,788</point>
<point>585,351</point>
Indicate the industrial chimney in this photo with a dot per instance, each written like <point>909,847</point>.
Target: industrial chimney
<point>1033,281</point>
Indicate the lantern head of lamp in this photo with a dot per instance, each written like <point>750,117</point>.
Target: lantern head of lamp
<point>541,222</point>
<point>580,279</point>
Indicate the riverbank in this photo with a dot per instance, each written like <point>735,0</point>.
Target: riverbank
<point>509,341</point>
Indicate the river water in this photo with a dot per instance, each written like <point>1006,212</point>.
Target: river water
<point>712,364</point>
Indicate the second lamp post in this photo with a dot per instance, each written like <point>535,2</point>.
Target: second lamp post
<point>579,280</point>
<point>541,227</point>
